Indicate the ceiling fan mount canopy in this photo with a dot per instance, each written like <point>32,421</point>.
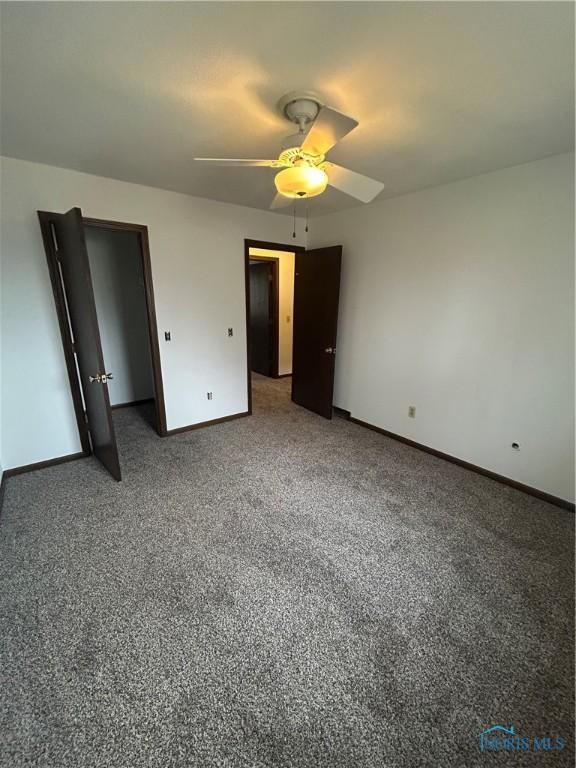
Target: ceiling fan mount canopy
<point>300,107</point>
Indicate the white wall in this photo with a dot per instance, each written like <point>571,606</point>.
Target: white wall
<point>459,300</point>
<point>197,255</point>
<point>286,305</point>
<point>120,297</point>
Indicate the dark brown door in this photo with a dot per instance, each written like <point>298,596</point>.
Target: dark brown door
<point>73,260</point>
<point>316,292</point>
<point>262,317</point>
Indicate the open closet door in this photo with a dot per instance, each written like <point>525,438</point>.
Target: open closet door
<point>72,257</point>
<point>316,293</point>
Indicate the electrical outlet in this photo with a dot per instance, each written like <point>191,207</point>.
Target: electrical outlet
<point>412,411</point>
<point>230,331</point>
<point>209,395</point>
<point>167,335</point>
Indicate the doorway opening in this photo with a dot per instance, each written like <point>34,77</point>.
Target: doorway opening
<point>115,259</point>
<point>291,321</point>
<point>102,283</point>
<point>271,277</point>
<point>264,315</point>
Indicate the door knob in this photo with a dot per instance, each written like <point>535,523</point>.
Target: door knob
<point>330,350</point>
<point>100,378</point>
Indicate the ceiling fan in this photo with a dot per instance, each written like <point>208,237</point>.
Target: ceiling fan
<point>305,172</point>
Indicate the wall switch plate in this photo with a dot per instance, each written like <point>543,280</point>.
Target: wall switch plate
<point>209,395</point>
<point>230,331</point>
<point>412,411</point>
<point>167,335</point>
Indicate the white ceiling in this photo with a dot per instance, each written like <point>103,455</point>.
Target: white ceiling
<point>134,91</point>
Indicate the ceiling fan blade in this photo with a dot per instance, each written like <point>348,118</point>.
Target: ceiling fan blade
<point>354,184</point>
<point>328,129</point>
<point>234,161</point>
<point>281,201</point>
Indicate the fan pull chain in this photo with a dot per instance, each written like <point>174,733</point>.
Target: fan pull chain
<point>294,229</point>
<point>306,229</point>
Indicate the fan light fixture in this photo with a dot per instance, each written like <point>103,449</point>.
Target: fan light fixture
<point>301,181</point>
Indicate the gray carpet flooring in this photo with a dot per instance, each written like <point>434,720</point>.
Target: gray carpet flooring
<point>279,590</point>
